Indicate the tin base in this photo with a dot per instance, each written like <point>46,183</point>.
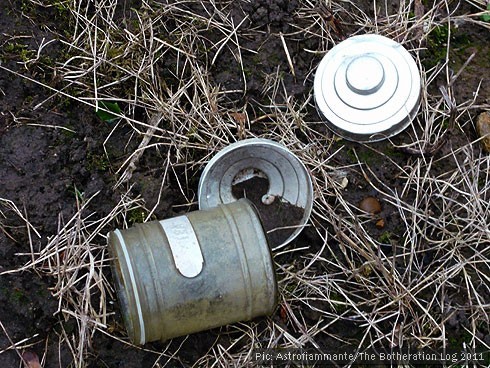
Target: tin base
<point>288,179</point>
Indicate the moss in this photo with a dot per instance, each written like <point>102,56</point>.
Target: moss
<point>62,10</point>
<point>97,162</point>
<point>26,6</point>
<point>436,45</point>
<point>137,215</point>
<point>248,72</point>
<point>70,134</point>
<point>18,296</point>
<point>28,100</point>
<point>18,51</point>
<point>363,155</point>
<point>69,327</point>
<point>390,151</point>
<point>457,341</point>
<point>114,52</point>
<point>385,237</point>
<point>338,302</point>
<point>351,154</point>
<point>291,288</point>
<point>75,192</point>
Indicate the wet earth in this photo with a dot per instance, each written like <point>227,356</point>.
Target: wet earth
<point>51,148</point>
<point>279,217</point>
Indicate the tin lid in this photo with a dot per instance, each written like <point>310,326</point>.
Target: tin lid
<point>368,88</point>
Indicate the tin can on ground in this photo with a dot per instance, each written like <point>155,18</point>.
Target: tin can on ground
<point>288,179</point>
<point>193,272</point>
<point>367,88</point>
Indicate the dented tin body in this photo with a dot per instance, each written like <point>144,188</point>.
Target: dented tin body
<point>367,88</point>
<point>194,272</point>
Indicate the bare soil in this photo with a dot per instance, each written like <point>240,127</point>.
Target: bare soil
<point>52,148</point>
<point>279,218</point>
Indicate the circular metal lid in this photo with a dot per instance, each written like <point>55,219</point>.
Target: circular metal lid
<point>287,176</point>
<point>368,88</point>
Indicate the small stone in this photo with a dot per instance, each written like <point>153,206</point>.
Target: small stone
<point>483,129</point>
<point>380,223</point>
<point>268,199</point>
<point>370,205</point>
<point>344,183</point>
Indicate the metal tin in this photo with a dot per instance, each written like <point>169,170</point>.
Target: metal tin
<point>193,272</point>
<point>288,177</point>
<point>367,88</point>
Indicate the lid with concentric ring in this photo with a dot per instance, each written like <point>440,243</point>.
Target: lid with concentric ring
<point>367,88</point>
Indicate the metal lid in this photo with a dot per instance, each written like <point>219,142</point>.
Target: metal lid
<point>287,176</point>
<point>368,88</point>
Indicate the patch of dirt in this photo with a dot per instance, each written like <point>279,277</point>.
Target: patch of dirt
<point>279,218</point>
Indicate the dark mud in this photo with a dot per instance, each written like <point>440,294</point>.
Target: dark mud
<point>51,150</point>
<point>279,218</point>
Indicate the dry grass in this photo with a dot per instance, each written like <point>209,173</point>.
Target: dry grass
<point>159,64</point>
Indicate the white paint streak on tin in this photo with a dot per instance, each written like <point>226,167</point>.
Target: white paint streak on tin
<point>133,284</point>
<point>184,245</point>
